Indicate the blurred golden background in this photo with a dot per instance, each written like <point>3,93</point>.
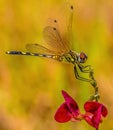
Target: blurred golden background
<point>30,87</point>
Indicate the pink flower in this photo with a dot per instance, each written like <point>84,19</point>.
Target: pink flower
<point>94,113</point>
<point>69,111</point>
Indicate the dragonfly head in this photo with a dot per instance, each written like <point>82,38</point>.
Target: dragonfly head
<point>82,57</point>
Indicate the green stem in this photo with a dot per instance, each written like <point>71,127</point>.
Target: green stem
<point>94,84</point>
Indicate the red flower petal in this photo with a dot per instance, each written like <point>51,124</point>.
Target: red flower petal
<point>94,113</point>
<point>97,117</point>
<point>104,111</point>
<point>93,106</point>
<point>88,118</point>
<point>72,105</point>
<point>63,115</point>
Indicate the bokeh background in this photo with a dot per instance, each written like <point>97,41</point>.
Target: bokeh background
<point>30,87</point>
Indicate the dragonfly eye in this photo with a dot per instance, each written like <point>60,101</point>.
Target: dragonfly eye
<point>82,57</point>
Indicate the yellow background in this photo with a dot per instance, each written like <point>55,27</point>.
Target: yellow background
<point>30,87</point>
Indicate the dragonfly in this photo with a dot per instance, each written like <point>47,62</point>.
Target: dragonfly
<point>60,48</point>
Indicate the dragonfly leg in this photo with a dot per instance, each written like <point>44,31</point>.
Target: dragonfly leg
<point>79,77</point>
<point>85,69</point>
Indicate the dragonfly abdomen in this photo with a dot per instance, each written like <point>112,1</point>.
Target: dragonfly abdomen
<point>55,57</point>
<point>28,53</point>
<point>21,53</point>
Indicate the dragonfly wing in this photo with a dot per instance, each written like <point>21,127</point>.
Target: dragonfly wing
<point>36,48</point>
<point>68,33</point>
<point>58,42</point>
<point>54,39</point>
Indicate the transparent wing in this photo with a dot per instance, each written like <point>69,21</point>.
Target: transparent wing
<point>58,42</point>
<point>58,38</point>
<point>36,48</point>
<point>68,31</point>
<point>54,39</point>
